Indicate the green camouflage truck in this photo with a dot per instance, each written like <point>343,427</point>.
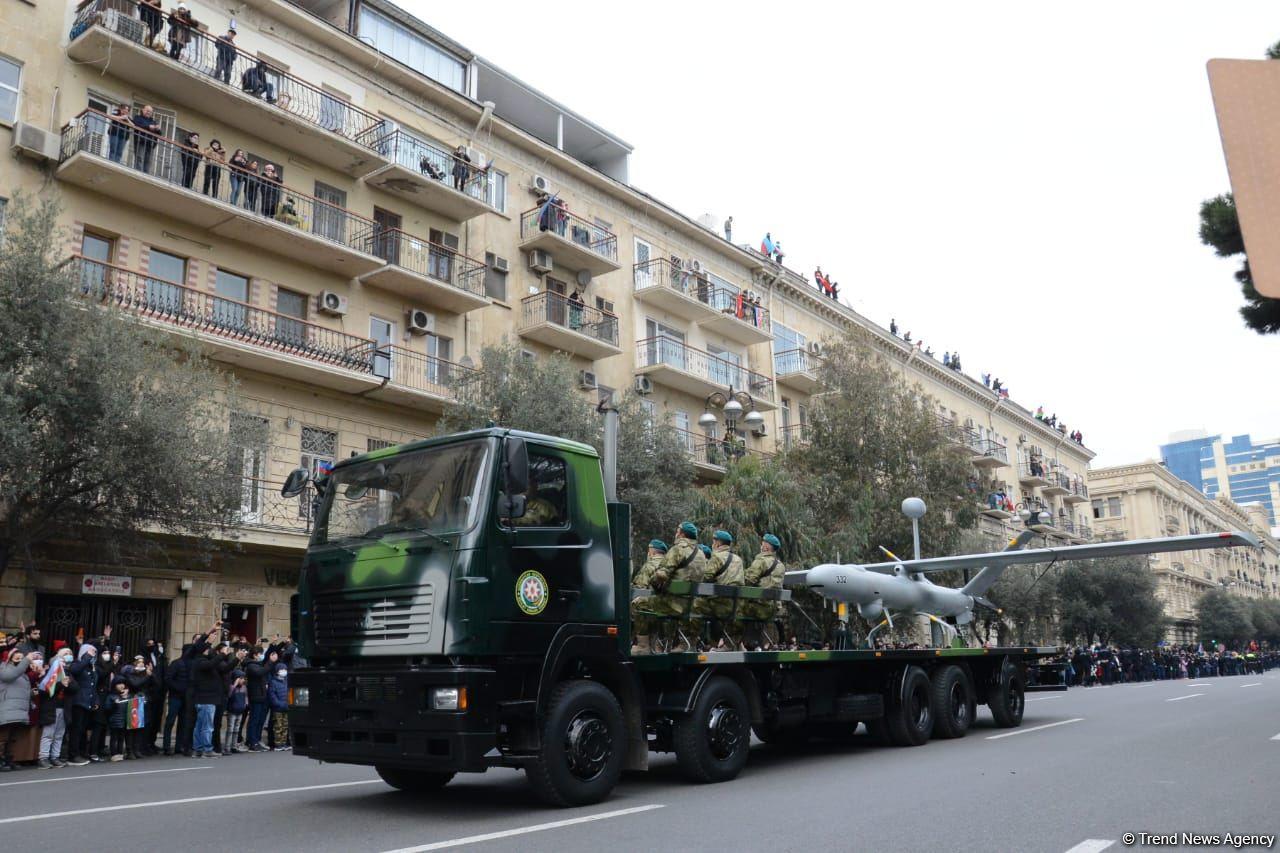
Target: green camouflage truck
<point>464,605</point>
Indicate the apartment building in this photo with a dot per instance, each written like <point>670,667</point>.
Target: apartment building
<point>1147,500</point>
<point>1242,469</point>
<point>404,203</point>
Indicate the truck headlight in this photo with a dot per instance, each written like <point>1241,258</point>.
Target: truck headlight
<point>299,697</point>
<point>448,698</point>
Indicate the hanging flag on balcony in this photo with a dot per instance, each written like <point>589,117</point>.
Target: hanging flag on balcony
<point>767,246</point>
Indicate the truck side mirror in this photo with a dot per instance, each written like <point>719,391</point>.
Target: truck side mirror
<point>296,482</point>
<point>517,466</point>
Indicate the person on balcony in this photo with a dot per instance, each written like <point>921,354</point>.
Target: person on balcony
<point>239,169</point>
<point>576,305</point>
<point>180,26</point>
<point>152,14</point>
<point>289,213</point>
<point>118,135</point>
<point>226,56</point>
<point>254,81</point>
<point>215,157</point>
<point>429,169</point>
<point>190,156</point>
<point>270,191</point>
<point>146,130</point>
<point>461,168</point>
<point>252,183</point>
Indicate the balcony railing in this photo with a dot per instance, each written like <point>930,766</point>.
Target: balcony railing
<point>660,272</point>
<point>676,354</point>
<point>704,450</point>
<point>551,307</point>
<point>990,449</point>
<point>186,169</point>
<point>420,372</point>
<point>794,435</point>
<point>1078,488</point>
<point>426,258</point>
<point>1033,470</point>
<point>436,163</point>
<point>555,218</point>
<point>262,507</point>
<point>185,308</point>
<point>795,361</point>
<point>222,61</point>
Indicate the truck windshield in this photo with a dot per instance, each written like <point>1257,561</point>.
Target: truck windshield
<point>431,491</point>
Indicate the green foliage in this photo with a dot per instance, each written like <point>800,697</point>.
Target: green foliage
<point>1225,618</point>
<point>654,472</point>
<point>1273,52</point>
<point>107,428</point>
<point>1110,600</point>
<point>759,496</point>
<point>1028,599</point>
<point>1265,615</point>
<point>1220,228</point>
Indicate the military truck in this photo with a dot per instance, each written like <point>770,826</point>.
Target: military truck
<point>464,604</point>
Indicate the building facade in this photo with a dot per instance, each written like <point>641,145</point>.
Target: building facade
<point>1146,500</point>
<point>1241,470</point>
<point>389,219</point>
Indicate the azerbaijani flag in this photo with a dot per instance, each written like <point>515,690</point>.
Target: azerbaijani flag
<point>53,677</point>
<point>137,712</point>
<point>766,246</point>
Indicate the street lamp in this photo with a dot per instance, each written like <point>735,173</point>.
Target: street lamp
<point>732,405</point>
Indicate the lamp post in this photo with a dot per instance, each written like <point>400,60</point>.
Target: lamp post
<point>732,406</point>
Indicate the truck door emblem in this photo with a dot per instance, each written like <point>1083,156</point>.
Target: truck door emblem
<point>532,593</point>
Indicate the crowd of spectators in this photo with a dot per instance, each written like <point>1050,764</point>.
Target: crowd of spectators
<point>1052,422</point>
<point>79,701</point>
<point>1103,665</point>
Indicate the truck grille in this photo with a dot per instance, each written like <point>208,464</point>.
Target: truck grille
<point>394,617</point>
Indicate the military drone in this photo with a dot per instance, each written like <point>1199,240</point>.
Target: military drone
<point>881,591</point>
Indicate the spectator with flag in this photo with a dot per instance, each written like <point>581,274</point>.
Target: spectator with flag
<point>53,699</point>
<point>767,246</point>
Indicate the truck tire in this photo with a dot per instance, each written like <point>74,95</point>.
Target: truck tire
<point>584,742</point>
<point>414,781</point>
<point>712,741</point>
<point>954,704</point>
<point>908,714</point>
<point>1006,697</point>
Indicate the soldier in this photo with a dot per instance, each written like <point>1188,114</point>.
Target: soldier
<point>683,562</point>
<point>724,568</point>
<point>641,624</point>
<point>766,572</point>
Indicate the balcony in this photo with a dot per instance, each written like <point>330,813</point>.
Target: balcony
<point>431,177</point>
<point>573,242</point>
<point>417,380</point>
<point>696,297</point>
<point>234,332</point>
<point>157,174</point>
<point>988,454</point>
<point>711,457</point>
<point>577,329</point>
<point>265,514</point>
<point>1057,483</point>
<point>797,368</point>
<point>1079,492</point>
<point>297,116</point>
<point>676,365</point>
<point>426,273</point>
<point>793,435</point>
<point>1032,474</point>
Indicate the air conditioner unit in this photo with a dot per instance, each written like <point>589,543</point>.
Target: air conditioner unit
<point>815,348</point>
<point>539,183</point>
<point>501,265</point>
<point>586,380</point>
<point>35,142</point>
<point>333,304</point>
<point>420,322</point>
<point>760,430</point>
<point>540,261</point>
<point>528,355</point>
<point>644,385</point>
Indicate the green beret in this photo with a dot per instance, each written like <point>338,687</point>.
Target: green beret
<point>723,536</point>
<point>772,540</point>
<point>688,528</point>
<point>658,544</point>
<point>706,550</point>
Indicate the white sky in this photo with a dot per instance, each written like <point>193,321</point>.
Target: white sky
<point>1016,180</point>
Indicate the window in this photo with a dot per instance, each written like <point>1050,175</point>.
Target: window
<point>547,498</point>
<point>319,449</point>
<point>291,305</point>
<point>164,291</point>
<point>683,433</point>
<point>249,461</point>
<point>497,190</point>
<point>231,311</point>
<point>373,444</point>
<point>495,280</point>
<point>98,251</point>
<point>10,72</point>
<point>398,42</point>
<point>605,305</point>
<point>440,254</point>
<point>665,344</point>
<point>725,366</point>
<point>383,334</point>
<point>439,360</point>
<point>1113,507</point>
<point>328,219</point>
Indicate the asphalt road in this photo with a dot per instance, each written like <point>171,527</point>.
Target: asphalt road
<point>1086,767</point>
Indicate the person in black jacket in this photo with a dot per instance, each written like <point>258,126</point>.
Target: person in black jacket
<point>106,666</point>
<point>176,680</point>
<point>141,683</point>
<point>205,690</point>
<point>256,674</point>
<point>155,664</point>
<point>84,702</point>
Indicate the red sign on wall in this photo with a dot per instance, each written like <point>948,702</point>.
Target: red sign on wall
<point>106,585</point>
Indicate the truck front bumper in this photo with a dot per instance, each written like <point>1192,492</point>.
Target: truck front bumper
<point>383,717</point>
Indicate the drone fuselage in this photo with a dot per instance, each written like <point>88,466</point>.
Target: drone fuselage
<point>873,593</point>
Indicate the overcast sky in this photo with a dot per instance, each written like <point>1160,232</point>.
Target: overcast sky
<point>1015,180</point>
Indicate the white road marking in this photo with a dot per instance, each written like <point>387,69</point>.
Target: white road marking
<point>1180,698</point>
<point>1139,687</point>
<point>1035,728</point>
<point>538,827</point>
<point>1277,737</point>
<point>1197,685</point>
<point>1254,684</point>
<point>1043,698</point>
<point>101,776</point>
<point>153,803</point>
<point>1092,845</point>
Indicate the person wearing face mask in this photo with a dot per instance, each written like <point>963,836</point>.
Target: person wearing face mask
<point>106,666</point>
<point>257,672</point>
<point>56,691</point>
<point>15,703</point>
<point>278,699</point>
<point>83,703</point>
<point>155,664</point>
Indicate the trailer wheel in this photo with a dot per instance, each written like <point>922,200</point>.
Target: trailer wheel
<point>414,781</point>
<point>908,714</point>
<point>712,741</point>
<point>1006,697</point>
<point>583,741</point>
<point>954,704</point>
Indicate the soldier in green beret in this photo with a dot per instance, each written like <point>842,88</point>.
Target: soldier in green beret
<point>724,568</point>
<point>641,623</point>
<point>766,571</point>
<point>683,562</point>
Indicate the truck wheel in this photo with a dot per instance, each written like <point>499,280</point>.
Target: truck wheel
<point>953,702</point>
<point>583,743</point>
<point>1006,697</point>
<point>712,740</point>
<point>908,714</point>
<point>414,781</point>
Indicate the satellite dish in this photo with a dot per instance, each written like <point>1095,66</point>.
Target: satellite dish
<point>584,277</point>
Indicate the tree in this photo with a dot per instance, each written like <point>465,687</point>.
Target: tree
<point>655,475</point>
<point>109,430</point>
<point>1224,618</point>
<point>1265,615</point>
<point>1110,600</point>
<point>1220,228</point>
<point>1028,600</point>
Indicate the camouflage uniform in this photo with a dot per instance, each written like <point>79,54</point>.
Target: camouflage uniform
<point>724,568</point>
<point>538,512</point>
<point>766,572</point>
<point>641,623</point>
<point>683,562</point>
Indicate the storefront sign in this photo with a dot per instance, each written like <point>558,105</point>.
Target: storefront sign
<point>107,585</point>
